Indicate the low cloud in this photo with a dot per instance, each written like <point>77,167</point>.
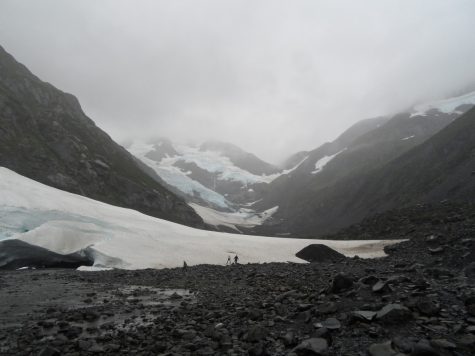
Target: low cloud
<point>274,77</point>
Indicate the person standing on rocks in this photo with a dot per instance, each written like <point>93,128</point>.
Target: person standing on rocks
<point>236,259</point>
<point>185,266</point>
<point>228,262</point>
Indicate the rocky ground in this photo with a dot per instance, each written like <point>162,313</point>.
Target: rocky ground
<point>420,300</point>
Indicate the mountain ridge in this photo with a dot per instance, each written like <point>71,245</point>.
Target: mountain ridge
<point>412,177</point>
<point>46,136</point>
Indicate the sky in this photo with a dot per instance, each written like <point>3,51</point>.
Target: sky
<point>274,77</point>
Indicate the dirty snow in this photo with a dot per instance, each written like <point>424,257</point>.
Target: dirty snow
<point>123,238</point>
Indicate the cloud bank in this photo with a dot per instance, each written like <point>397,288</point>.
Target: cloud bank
<point>272,76</point>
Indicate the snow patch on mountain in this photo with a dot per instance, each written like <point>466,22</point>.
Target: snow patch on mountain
<point>213,162</point>
<point>176,177</point>
<point>407,138</point>
<point>322,162</point>
<point>247,218</point>
<point>447,106</point>
<point>123,238</point>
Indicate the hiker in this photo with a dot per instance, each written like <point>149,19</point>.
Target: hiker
<point>236,259</point>
<point>185,266</point>
<point>228,262</point>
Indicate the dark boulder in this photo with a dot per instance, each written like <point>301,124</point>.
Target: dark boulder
<point>394,314</point>
<point>15,254</point>
<point>383,349</point>
<point>314,346</point>
<point>341,283</point>
<point>427,306</point>
<point>319,253</point>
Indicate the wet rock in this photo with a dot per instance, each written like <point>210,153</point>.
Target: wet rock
<point>443,343</point>
<point>256,333</point>
<point>330,324</point>
<point>393,314</point>
<point>383,349</point>
<point>258,349</point>
<point>91,316</point>
<point>363,315</point>
<point>369,280</point>
<point>427,306</point>
<point>341,283</point>
<point>423,348</point>
<point>403,344</point>
<point>436,250</point>
<point>96,349</point>
<point>313,346</point>
<point>255,314</point>
<point>323,333</point>
<point>84,345</point>
<point>49,351</point>
<point>470,271</point>
<point>327,308</point>
<point>289,339</point>
<point>304,316</point>
<point>72,332</point>
<point>470,305</point>
<point>381,287</point>
<point>285,295</point>
<point>467,340</point>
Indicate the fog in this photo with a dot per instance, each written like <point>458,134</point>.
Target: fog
<point>273,77</point>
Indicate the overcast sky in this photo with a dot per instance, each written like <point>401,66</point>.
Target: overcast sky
<point>272,76</point>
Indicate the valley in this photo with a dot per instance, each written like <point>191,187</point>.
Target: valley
<point>237,178</point>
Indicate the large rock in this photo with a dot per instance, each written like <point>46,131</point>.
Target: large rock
<point>383,349</point>
<point>319,253</point>
<point>394,314</point>
<point>256,333</point>
<point>341,283</point>
<point>15,254</point>
<point>427,306</point>
<point>314,346</point>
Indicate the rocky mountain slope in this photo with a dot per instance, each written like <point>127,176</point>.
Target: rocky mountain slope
<point>46,136</point>
<point>220,181</point>
<point>213,174</point>
<point>412,158</point>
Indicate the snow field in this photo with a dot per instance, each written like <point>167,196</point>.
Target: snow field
<point>124,238</point>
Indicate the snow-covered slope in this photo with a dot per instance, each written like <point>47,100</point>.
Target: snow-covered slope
<point>214,162</point>
<point>246,218</point>
<point>446,106</point>
<point>322,162</point>
<point>63,222</point>
<point>212,178</point>
<point>177,177</point>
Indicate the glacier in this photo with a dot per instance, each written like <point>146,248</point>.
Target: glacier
<point>210,161</point>
<point>123,238</point>
<point>447,106</point>
<point>247,218</point>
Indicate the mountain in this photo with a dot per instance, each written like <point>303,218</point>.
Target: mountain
<point>46,136</point>
<point>219,180</point>
<point>240,158</point>
<point>415,157</point>
<point>442,168</point>
<point>72,225</point>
